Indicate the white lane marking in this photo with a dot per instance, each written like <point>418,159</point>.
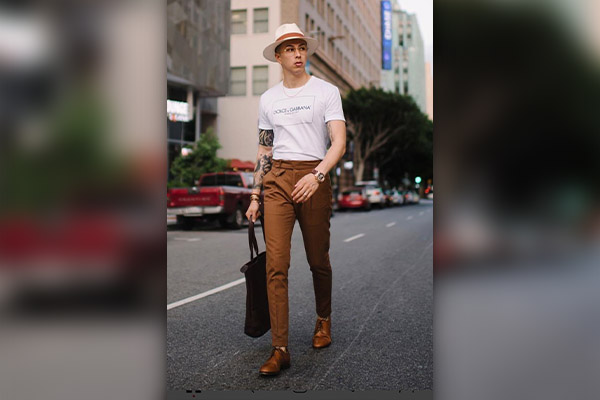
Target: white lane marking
<point>354,237</point>
<point>187,240</point>
<point>201,295</point>
<point>409,217</point>
<point>421,213</point>
<point>390,224</point>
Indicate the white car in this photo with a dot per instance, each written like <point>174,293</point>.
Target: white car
<point>411,197</point>
<point>374,193</point>
<point>395,198</point>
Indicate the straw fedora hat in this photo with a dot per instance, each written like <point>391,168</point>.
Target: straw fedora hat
<point>289,32</point>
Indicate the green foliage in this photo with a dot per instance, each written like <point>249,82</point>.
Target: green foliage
<point>389,130</point>
<point>187,169</point>
<point>66,156</point>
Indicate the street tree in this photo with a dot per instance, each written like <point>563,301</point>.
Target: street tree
<point>410,153</point>
<point>384,126</point>
<point>186,169</point>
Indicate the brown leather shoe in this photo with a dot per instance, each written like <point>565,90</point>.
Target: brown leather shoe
<point>322,336</point>
<point>279,360</point>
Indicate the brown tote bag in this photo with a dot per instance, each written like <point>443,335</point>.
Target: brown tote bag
<point>257,321</point>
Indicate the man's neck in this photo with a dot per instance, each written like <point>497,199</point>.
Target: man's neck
<point>294,81</point>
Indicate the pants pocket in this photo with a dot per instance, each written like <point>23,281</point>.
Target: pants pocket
<point>269,178</point>
<point>323,196</point>
<point>278,171</point>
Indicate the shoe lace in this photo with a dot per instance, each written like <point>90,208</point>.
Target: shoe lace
<point>320,323</point>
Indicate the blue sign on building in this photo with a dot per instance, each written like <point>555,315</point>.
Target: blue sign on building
<point>386,35</point>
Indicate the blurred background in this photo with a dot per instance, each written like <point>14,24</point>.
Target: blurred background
<point>517,203</point>
<point>82,161</point>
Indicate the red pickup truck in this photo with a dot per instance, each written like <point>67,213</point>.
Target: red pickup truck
<point>221,196</point>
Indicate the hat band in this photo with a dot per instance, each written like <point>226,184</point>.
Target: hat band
<point>288,35</point>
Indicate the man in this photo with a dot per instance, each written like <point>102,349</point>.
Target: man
<point>298,118</point>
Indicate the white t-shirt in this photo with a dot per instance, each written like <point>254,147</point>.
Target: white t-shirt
<point>298,116</point>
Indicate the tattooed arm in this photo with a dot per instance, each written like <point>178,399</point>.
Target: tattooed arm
<point>264,158</point>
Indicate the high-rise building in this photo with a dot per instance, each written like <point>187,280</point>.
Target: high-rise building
<point>407,70</point>
<point>348,57</point>
<point>198,34</point>
<point>429,90</point>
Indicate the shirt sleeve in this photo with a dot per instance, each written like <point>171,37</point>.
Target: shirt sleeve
<point>334,110</point>
<point>263,119</point>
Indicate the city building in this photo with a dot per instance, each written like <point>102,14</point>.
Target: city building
<point>198,57</point>
<point>429,90</point>
<point>405,70</point>
<point>349,57</point>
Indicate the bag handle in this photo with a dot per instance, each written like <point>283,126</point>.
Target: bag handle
<point>252,243</point>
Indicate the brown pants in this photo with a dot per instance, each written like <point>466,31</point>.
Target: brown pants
<point>313,216</point>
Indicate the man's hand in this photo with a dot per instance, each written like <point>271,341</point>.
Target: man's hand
<point>305,188</point>
<point>252,214</point>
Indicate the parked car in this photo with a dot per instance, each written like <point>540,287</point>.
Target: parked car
<point>410,197</point>
<point>407,196</point>
<point>353,198</point>
<point>394,198</point>
<point>416,197</point>
<point>221,196</point>
<point>374,192</point>
<point>387,195</point>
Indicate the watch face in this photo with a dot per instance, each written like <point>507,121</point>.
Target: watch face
<point>319,175</point>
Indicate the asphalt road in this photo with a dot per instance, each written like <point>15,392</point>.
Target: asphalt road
<point>382,318</point>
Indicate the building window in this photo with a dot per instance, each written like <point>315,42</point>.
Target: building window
<point>319,36</point>
<point>238,22</point>
<point>261,20</point>
<point>238,81</point>
<point>260,79</point>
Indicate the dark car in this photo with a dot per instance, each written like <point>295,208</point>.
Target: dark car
<point>354,198</point>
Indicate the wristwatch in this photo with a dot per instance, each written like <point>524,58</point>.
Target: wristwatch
<point>319,176</point>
